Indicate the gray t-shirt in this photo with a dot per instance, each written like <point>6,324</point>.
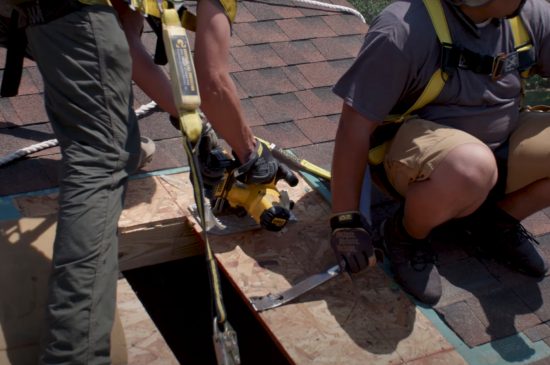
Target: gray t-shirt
<point>401,52</point>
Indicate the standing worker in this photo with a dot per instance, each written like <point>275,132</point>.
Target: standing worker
<point>85,63</point>
<point>444,161</point>
<point>219,100</point>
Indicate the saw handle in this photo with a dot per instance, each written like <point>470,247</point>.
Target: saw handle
<point>286,174</point>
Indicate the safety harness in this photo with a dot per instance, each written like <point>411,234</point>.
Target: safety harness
<point>30,13</point>
<point>454,57</point>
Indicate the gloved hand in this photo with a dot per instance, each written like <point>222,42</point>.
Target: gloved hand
<point>351,241</point>
<point>263,168</point>
<point>212,158</point>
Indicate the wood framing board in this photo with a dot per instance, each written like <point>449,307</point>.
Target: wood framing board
<point>153,229</point>
<point>359,319</point>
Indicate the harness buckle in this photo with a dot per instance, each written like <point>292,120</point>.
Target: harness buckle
<point>504,63</point>
<point>498,65</point>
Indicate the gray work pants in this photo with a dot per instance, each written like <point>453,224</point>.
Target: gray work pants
<point>85,63</point>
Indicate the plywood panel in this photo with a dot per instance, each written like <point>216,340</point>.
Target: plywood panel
<point>359,319</point>
<point>148,204</point>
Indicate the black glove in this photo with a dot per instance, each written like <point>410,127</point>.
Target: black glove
<point>351,241</point>
<point>213,160</point>
<point>263,168</point>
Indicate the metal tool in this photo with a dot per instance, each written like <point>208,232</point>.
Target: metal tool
<point>295,163</point>
<point>270,301</point>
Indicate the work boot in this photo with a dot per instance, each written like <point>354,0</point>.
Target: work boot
<point>147,151</point>
<point>502,237</point>
<point>412,261</point>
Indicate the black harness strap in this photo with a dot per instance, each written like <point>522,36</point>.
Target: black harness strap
<point>17,43</point>
<point>501,155</point>
<point>453,57</point>
<point>28,14</point>
<point>160,52</point>
<point>156,25</point>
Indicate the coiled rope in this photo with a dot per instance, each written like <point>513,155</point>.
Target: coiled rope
<point>22,152</point>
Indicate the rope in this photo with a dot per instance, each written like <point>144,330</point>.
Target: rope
<point>345,9</point>
<point>22,152</point>
<point>28,150</point>
<point>144,110</point>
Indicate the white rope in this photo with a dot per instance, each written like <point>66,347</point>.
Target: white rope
<point>144,109</point>
<point>28,150</point>
<point>345,9</point>
<point>22,152</point>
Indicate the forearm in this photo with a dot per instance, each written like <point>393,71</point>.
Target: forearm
<point>149,76</point>
<point>350,160</point>
<point>219,99</point>
<point>152,79</point>
<point>222,107</point>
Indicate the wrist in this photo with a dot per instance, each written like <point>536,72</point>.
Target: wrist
<point>348,219</point>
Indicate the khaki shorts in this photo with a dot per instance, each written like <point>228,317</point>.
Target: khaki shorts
<point>420,145</point>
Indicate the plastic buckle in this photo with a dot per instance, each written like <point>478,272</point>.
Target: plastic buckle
<point>450,58</point>
<point>498,66</point>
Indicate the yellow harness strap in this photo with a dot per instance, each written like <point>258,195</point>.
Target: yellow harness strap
<point>188,19</point>
<point>522,40</point>
<point>522,43</point>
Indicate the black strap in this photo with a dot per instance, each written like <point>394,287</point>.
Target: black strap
<point>17,43</point>
<point>347,220</point>
<point>160,52</point>
<point>156,25</point>
<point>453,57</point>
<point>37,12</point>
<point>27,14</point>
<point>501,156</point>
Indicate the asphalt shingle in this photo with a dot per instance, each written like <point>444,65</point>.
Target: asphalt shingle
<point>320,101</point>
<point>284,135</point>
<point>264,82</point>
<point>280,108</point>
<point>297,52</point>
<point>305,28</point>
<point>256,57</point>
<point>30,108</point>
<point>256,33</point>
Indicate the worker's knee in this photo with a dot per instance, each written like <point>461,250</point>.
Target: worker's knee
<point>472,165</point>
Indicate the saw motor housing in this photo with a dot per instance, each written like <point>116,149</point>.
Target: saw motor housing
<point>268,206</point>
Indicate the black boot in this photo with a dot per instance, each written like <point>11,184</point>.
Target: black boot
<point>498,235</point>
<point>413,261</point>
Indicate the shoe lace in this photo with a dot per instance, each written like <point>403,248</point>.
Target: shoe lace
<point>522,235</point>
<point>422,256</point>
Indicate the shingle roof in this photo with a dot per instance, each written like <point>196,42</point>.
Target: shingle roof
<point>284,58</point>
